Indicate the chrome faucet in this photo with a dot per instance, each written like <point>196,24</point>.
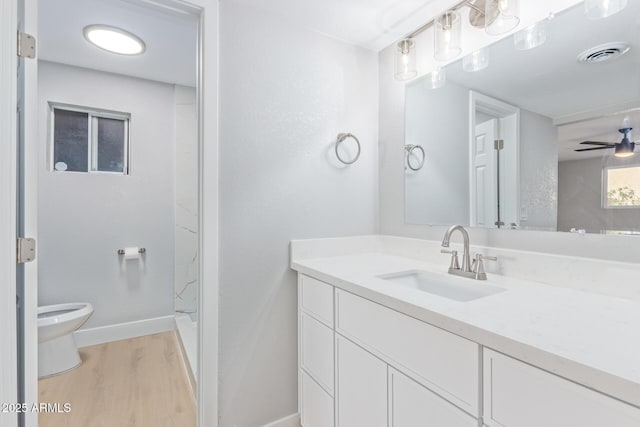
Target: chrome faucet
<point>475,270</point>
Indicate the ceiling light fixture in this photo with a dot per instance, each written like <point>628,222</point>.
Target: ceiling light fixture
<point>531,37</point>
<point>405,60</point>
<point>447,36</point>
<point>597,9</point>
<point>476,61</point>
<point>626,147</point>
<point>114,39</point>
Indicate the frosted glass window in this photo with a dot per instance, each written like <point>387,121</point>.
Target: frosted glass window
<point>622,187</point>
<point>89,140</point>
<point>70,140</point>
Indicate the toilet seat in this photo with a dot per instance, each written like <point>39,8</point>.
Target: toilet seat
<point>58,313</point>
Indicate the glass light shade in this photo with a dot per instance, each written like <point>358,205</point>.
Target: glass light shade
<point>597,9</point>
<point>405,60</point>
<point>507,16</point>
<point>476,61</point>
<point>435,79</point>
<point>114,39</point>
<point>448,29</point>
<point>531,37</point>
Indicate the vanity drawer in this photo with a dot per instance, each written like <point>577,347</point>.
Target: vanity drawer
<point>316,351</point>
<point>412,405</point>
<point>316,298</point>
<point>443,362</point>
<point>519,395</point>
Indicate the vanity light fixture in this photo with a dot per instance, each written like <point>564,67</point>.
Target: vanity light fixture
<point>531,37</point>
<point>436,79</point>
<point>405,60</point>
<point>446,38</point>
<point>507,16</point>
<point>115,40</point>
<point>476,61</point>
<point>597,9</point>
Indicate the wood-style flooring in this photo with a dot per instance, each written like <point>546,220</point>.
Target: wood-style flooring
<point>137,382</point>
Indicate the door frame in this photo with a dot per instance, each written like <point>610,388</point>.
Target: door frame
<point>501,110</point>
<point>8,193</point>
<point>207,392</point>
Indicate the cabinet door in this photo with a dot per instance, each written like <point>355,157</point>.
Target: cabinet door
<point>411,405</point>
<point>361,387</point>
<point>519,395</point>
<point>316,406</point>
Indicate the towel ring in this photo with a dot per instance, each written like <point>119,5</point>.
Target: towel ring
<point>341,138</point>
<point>410,149</point>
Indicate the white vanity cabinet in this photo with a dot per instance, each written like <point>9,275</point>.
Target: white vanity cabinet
<point>519,395</point>
<point>315,353</point>
<point>365,365</point>
<point>362,364</point>
<point>361,387</point>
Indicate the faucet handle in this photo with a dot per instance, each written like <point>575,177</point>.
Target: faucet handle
<point>478,266</point>
<point>455,264</point>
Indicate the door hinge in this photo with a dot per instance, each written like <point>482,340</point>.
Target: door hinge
<point>26,250</point>
<point>498,144</point>
<point>26,45</point>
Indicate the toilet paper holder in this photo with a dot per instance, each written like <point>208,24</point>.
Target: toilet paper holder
<point>140,251</point>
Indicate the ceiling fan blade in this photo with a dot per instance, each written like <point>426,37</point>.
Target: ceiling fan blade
<point>594,148</point>
<point>598,143</point>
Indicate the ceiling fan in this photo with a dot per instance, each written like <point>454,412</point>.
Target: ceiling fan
<point>623,148</point>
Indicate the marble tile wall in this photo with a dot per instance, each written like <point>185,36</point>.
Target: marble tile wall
<point>186,218</point>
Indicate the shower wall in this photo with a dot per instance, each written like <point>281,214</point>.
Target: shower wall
<point>186,226</point>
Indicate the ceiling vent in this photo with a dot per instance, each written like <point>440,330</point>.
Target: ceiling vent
<point>604,52</point>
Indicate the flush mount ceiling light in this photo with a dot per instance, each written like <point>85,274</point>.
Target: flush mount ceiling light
<point>597,9</point>
<point>114,39</point>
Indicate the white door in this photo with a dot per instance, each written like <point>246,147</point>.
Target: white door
<point>484,191</point>
<point>361,387</point>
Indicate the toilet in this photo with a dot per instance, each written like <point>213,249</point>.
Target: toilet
<point>57,351</point>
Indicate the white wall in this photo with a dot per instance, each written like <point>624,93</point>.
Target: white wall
<point>443,177</point>
<point>538,172</point>
<point>85,218</point>
<point>580,197</point>
<point>285,93</point>
<point>186,228</point>
<point>391,179</point>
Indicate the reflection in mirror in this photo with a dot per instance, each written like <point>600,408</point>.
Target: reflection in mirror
<point>537,139</point>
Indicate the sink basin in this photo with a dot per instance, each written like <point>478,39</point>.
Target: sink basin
<point>447,286</point>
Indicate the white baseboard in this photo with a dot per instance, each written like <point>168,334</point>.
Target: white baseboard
<point>123,331</point>
<point>292,420</point>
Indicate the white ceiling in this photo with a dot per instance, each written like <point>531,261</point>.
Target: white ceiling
<point>550,81</point>
<point>170,36</point>
<point>372,24</point>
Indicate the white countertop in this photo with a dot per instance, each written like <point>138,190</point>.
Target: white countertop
<point>589,338</point>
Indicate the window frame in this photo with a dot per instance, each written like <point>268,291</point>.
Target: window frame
<point>605,186</point>
<point>93,114</point>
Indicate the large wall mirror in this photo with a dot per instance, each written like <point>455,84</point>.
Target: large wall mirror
<point>541,139</point>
